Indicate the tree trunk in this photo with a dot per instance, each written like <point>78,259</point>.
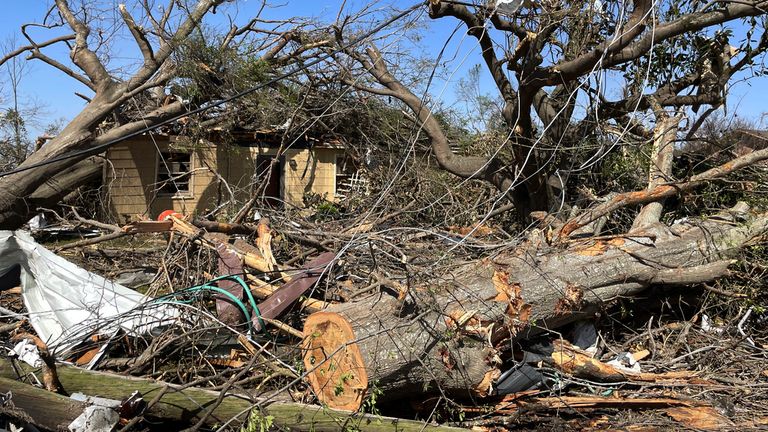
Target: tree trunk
<point>453,334</point>
<point>17,205</point>
<point>185,406</point>
<point>44,409</point>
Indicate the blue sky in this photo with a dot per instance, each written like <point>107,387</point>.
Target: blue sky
<point>55,92</point>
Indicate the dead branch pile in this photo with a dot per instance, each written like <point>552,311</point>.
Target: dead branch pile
<point>466,325</point>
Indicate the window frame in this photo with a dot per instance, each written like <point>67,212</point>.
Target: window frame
<point>160,167</point>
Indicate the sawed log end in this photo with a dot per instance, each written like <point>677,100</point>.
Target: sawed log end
<point>335,366</point>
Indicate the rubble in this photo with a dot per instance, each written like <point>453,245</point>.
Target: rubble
<point>224,312</point>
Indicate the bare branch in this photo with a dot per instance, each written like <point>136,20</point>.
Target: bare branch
<point>661,191</point>
<point>476,28</point>
<point>138,36</point>
<point>35,46</point>
<point>81,55</point>
<point>60,66</point>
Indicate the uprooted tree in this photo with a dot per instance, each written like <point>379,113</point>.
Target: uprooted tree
<point>182,67</point>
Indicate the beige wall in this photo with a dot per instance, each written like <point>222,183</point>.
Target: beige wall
<point>130,177</point>
<point>309,171</point>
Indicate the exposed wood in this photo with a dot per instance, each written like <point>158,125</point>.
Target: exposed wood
<point>185,406</point>
<point>50,374</point>
<point>661,192</point>
<point>264,242</point>
<point>448,334</point>
<point>596,402</point>
<point>699,418</point>
<point>572,361</point>
<point>250,259</point>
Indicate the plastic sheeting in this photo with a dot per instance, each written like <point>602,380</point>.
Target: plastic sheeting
<point>66,303</point>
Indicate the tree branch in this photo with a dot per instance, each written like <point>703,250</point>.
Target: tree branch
<point>35,46</point>
<point>81,55</point>
<point>661,191</point>
<point>660,169</point>
<point>571,69</point>
<point>462,166</point>
<point>168,46</point>
<point>688,23</point>
<point>475,27</point>
<point>36,54</point>
<point>138,36</point>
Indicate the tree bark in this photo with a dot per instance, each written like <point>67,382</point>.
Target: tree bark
<point>44,409</point>
<point>17,205</point>
<point>184,406</point>
<point>452,335</point>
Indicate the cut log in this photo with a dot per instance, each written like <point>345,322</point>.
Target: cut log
<point>184,407</point>
<point>451,334</point>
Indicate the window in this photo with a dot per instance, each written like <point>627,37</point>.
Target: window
<point>174,173</point>
<point>348,179</point>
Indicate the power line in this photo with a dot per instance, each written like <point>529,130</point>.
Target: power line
<point>304,66</point>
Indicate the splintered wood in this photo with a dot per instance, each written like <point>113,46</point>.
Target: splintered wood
<point>573,361</point>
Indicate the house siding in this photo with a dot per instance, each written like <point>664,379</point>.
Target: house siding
<point>131,174</point>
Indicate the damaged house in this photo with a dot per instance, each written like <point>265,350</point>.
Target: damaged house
<point>149,174</point>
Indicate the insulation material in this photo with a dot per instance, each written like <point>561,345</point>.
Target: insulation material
<point>66,303</point>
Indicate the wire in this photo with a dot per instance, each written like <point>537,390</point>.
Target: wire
<point>301,67</point>
<point>208,286</point>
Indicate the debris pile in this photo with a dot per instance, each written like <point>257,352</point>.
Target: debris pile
<point>291,322</point>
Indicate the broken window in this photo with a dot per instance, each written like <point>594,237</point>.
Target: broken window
<point>174,173</point>
<point>348,178</point>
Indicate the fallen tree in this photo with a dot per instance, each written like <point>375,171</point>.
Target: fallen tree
<point>124,104</point>
<point>452,335</point>
<point>182,405</point>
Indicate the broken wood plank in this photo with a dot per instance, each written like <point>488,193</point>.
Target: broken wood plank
<point>147,226</point>
<point>262,289</point>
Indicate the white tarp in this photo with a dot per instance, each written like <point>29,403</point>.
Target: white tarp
<point>66,303</point>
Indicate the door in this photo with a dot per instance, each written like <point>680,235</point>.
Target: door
<point>271,191</point>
